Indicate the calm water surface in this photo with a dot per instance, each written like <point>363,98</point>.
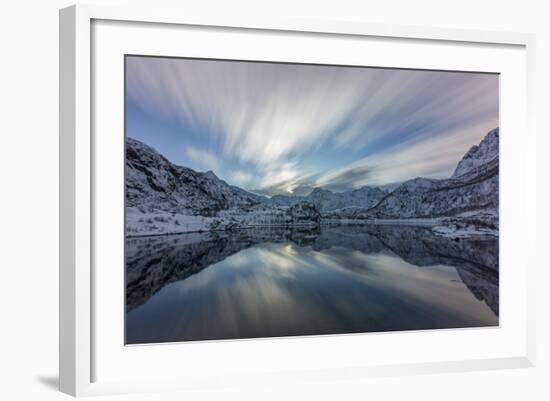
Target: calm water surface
<point>281,282</point>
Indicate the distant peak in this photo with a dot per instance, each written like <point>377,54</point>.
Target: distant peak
<point>210,174</point>
<point>477,155</point>
<point>319,190</point>
<point>493,132</point>
<point>134,143</point>
<point>419,182</point>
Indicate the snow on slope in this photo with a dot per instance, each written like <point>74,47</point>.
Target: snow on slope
<point>165,198</point>
<point>480,154</point>
<point>153,184</point>
<point>364,197</point>
<point>326,200</point>
<point>475,187</point>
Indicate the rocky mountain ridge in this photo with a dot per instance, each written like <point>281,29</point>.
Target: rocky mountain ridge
<point>154,183</point>
<point>162,197</point>
<point>478,155</point>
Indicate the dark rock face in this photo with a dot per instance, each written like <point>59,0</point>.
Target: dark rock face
<point>304,213</point>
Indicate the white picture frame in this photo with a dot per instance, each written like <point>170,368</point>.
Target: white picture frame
<point>79,215</point>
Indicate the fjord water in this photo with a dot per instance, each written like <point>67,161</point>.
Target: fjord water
<point>268,282</point>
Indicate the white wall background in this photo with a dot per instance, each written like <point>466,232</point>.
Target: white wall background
<point>29,185</point>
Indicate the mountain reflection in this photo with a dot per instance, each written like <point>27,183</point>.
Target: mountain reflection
<point>336,279</point>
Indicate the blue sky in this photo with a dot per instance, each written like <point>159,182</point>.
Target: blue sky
<point>288,128</point>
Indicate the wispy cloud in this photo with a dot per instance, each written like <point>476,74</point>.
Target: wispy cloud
<point>425,157</point>
<point>240,177</point>
<point>203,159</point>
<point>261,112</point>
<point>374,122</point>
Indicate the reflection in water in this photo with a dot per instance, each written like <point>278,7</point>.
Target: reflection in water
<point>280,282</point>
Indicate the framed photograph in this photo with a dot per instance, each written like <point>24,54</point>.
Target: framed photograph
<point>272,200</point>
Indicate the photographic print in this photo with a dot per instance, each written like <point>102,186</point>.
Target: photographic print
<point>281,199</point>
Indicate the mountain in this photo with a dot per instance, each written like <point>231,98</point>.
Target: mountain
<point>162,197</point>
<point>479,155</point>
<point>286,200</point>
<point>155,184</point>
<point>364,197</point>
<point>472,189</point>
<point>325,200</point>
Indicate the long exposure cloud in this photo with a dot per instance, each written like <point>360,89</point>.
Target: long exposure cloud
<point>374,126</point>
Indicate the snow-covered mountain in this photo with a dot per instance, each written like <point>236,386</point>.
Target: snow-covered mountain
<point>325,200</point>
<point>479,155</point>
<point>472,189</point>
<point>162,197</point>
<point>154,183</point>
<point>364,197</point>
<point>286,200</point>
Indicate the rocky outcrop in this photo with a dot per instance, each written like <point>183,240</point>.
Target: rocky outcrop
<point>304,213</point>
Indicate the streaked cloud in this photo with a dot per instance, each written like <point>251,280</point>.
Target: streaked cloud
<point>430,157</point>
<point>203,159</point>
<point>240,177</point>
<point>262,123</point>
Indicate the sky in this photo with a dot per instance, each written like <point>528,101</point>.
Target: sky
<point>275,128</point>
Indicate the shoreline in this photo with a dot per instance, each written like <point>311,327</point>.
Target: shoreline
<point>432,223</point>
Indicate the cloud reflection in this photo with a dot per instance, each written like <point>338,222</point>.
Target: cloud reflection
<point>284,289</point>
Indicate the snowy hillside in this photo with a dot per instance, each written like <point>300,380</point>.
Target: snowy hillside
<point>162,197</point>
<point>421,198</point>
<point>364,197</point>
<point>473,190</point>
<point>480,154</point>
<point>325,200</point>
<point>153,183</point>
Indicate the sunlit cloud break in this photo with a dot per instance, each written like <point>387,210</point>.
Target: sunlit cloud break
<point>287,128</point>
